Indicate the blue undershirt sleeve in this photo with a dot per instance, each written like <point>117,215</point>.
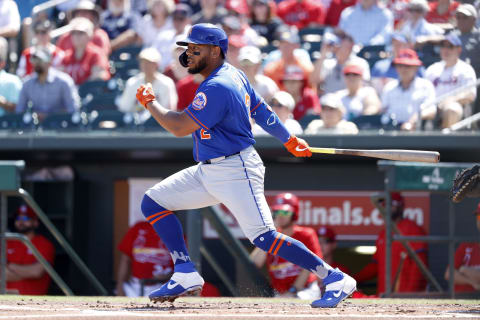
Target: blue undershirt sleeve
<point>269,121</point>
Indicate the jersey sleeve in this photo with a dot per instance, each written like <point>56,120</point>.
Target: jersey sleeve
<point>209,105</point>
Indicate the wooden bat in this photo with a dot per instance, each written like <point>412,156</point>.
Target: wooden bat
<point>388,154</point>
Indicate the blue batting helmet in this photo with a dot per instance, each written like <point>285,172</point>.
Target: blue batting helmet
<point>206,33</point>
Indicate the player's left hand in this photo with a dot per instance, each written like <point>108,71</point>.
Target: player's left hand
<point>145,94</point>
<point>298,147</point>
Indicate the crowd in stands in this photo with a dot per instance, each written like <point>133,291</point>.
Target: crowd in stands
<point>335,66</point>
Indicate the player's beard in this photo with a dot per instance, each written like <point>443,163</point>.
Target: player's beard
<point>201,65</point>
<point>24,229</point>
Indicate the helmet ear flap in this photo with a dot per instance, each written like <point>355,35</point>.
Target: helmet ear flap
<point>183,59</point>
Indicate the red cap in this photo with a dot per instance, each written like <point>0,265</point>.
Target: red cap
<point>397,199</point>
<point>239,6</point>
<point>353,68</point>
<point>26,211</point>
<point>327,233</point>
<point>407,57</point>
<point>237,41</point>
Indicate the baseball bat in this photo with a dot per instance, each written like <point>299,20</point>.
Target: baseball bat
<point>388,154</point>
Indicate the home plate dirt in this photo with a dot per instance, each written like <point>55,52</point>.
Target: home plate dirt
<point>116,308</point>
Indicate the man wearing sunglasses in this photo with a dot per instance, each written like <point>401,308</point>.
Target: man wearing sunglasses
<point>25,275</point>
<point>288,279</point>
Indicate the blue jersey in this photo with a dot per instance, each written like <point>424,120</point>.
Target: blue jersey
<point>221,108</point>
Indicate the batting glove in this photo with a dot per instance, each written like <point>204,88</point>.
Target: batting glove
<point>298,147</point>
<point>145,94</point>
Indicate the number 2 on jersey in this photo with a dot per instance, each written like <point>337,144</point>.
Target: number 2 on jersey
<point>204,135</point>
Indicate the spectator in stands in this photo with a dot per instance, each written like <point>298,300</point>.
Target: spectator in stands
<point>235,42</point>
<point>335,10</point>
<point>163,86</point>
<point>289,42</point>
<point>328,243</point>
<point>120,23</point>
<point>237,26</point>
<point>211,12</point>
<point>415,25</point>
<point>467,264</point>
<point>9,19</point>
<point>442,11</point>
<point>158,20</point>
<point>332,118</point>
<point>301,13</point>
<point>384,71</point>
<point>409,99</point>
<point>41,39</point>
<point>264,21</point>
<point>306,100</point>
<point>25,275</point>
<point>250,59</point>
<point>143,258</point>
<point>48,90</point>
<point>87,9</point>
<point>409,278</point>
<point>357,98</point>
<point>449,74</point>
<point>336,52</point>
<point>283,104</point>
<point>182,18</point>
<point>85,61</point>
<point>287,279</point>
<point>10,85</point>
<point>378,29</point>
<point>469,35</point>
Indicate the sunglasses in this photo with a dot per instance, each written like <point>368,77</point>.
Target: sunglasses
<point>447,46</point>
<point>415,10</point>
<point>23,218</point>
<point>351,75</point>
<point>284,213</point>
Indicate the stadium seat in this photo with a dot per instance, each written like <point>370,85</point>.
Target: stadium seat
<point>374,122</point>
<point>152,125</point>
<point>429,54</point>
<point>65,121</point>
<point>306,119</point>
<point>111,120</point>
<point>311,40</point>
<point>372,54</point>
<point>100,95</point>
<point>124,62</point>
<point>15,122</point>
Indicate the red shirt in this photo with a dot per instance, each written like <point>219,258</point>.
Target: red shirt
<point>410,278</point>
<point>149,255</point>
<point>100,39</point>
<point>282,272</point>
<point>336,7</point>
<point>308,104</point>
<point>467,254</point>
<point>433,16</point>
<point>80,70</point>
<point>301,13</point>
<point>25,66</point>
<point>186,89</point>
<point>18,253</point>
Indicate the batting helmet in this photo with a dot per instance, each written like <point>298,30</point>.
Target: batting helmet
<point>290,199</point>
<point>206,33</point>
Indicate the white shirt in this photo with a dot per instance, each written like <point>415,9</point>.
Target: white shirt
<point>420,28</point>
<point>164,42</point>
<point>446,79</point>
<point>292,126</point>
<point>163,87</point>
<point>9,15</point>
<point>265,86</point>
<point>402,104</point>
<point>354,105</point>
<point>149,31</point>
<point>343,127</point>
<point>332,72</point>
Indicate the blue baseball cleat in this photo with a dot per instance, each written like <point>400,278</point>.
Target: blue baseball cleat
<point>185,281</point>
<point>338,287</point>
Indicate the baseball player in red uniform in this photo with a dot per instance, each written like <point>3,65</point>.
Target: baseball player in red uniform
<point>288,279</point>
<point>328,244</point>
<point>467,264</point>
<point>25,275</point>
<point>144,257</point>
<point>229,169</point>
<point>410,278</point>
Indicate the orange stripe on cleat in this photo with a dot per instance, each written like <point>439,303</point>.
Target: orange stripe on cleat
<point>273,244</point>
<point>279,245</point>
<point>156,214</point>
<point>161,217</point>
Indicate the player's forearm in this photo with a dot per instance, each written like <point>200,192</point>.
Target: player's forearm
<point>12,276</point>
<point>258,257</point>
<point>30,271</point>
<point>301,280</point>
<point>170,120</point>
<point>269,121</point>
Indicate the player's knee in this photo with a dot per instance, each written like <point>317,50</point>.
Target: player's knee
<point>150,207</point>
<point>265,240</point>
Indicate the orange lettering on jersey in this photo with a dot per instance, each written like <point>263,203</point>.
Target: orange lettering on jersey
<point>247,100</point>
<point>204,135</point>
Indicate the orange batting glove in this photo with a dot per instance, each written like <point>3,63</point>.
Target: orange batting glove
<point>298,147</point>
<point>145,94</point>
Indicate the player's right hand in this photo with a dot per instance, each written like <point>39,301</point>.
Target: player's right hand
<point>145,94</point>
<point>298,147</point>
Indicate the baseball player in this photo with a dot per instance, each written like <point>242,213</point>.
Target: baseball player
<point>229,170</point>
